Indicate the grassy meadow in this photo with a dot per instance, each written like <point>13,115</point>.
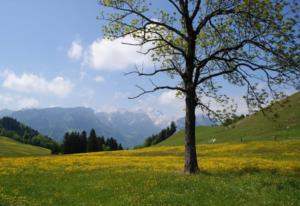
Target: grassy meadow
<point>256,173</point>
<point>255,161</point>
<point>12,148</point>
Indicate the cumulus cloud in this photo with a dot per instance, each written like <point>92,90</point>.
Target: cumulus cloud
<point>28,103</point>
<point>169,97</point>
<point>104,54</point>
<point>158,117</point>
<point>75,51</point>
<point>161,108</point>
<point>18,102</point>
<point>33,83</point>
<point>99,79</point>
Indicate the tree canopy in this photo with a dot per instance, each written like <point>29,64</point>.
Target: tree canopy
<point>204,44</point>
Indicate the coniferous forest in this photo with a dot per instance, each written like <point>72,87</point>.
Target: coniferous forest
<point>80,142</point>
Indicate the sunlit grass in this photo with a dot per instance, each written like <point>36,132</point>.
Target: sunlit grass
<point>232,174</point>
<point>283,156</point>
<point>9,147</point>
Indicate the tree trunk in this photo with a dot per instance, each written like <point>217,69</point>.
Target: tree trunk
<point>191,164</point>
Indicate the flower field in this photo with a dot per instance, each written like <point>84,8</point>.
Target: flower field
<point>282,157</point>
<point>136,177</point>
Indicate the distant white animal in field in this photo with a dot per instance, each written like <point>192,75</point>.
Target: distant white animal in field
<point>212,141</point>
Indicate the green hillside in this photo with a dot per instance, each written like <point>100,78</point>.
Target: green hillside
<point>282,121</point>
<point>12,148</point>
<point>16,130</point>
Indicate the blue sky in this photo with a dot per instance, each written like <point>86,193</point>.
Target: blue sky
<point>52,53</point>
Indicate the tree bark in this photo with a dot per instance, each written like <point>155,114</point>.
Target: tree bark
<point>191,164</point>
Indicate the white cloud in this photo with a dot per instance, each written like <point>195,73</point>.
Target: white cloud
<point>28,103</point>
<point>107,108</point>
<point>242,107</point>
<point>99,79</point>
<point>158,117</point>
<point>75,51</point>
<point>32,83</point>
<point>18,102</point>
<point>104,54</point>
<point>171,107</point>
<point>161,108</point>
<point>235,101</point>
<point>170,97</point>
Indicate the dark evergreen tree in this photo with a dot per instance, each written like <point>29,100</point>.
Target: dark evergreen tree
<point>66,144</point>
<point>120,147</point>
<point>26,138</point>
<point>83,142</point>
<point>101,143</point>
<point>92,143</point>
<point>112,144</point>
<point>72,142</point>
<point>172,128</point>
<point>75,142</point>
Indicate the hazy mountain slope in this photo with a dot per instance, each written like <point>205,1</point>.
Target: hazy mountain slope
<point>5,112</point>
<point>12,148</point>
<point>56,121</point>
<point>129,128</point>
<point>201,120</point>
<point>282,123</point>
<point>134,126</point>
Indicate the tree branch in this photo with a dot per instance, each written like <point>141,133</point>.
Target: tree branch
<point>156,88</point>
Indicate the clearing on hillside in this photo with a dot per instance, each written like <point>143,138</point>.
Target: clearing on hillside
<point>12,148</point>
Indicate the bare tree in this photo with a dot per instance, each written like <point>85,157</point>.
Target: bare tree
<point>205,43</point>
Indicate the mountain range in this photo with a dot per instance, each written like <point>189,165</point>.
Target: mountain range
<point>201,120</point>
<point>128,127</point>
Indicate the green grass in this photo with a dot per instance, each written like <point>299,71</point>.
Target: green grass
<point>150,177</point>
<point>108,187</point>
<point>281,122</point>
<point>12,148</point>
